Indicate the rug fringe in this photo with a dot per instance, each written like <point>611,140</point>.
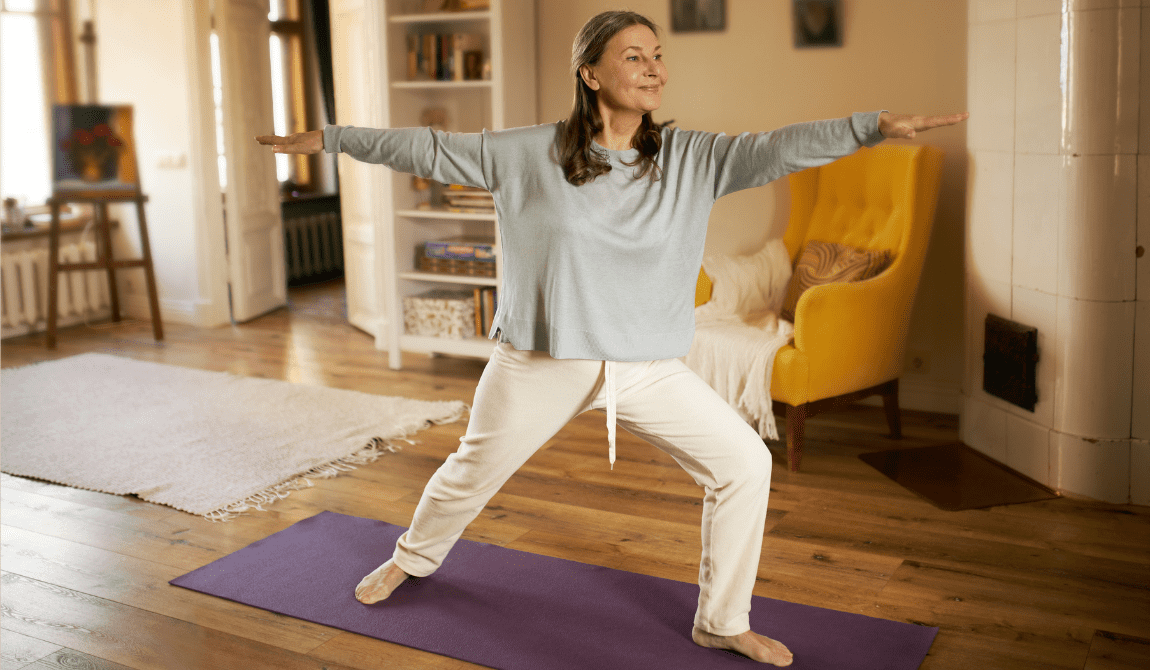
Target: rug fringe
<point>368,454</point>
<point>371,452</point>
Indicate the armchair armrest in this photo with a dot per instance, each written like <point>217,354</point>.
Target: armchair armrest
<point>854,333</point>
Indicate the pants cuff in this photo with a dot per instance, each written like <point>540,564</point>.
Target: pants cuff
<point>740,625</point>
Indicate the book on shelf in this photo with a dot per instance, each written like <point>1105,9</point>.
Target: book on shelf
<point>457,207</point>
<point>460,188</point>
<point>412,57</point>
<point>485,303</point>
<point>468,199</point>
<point>489,305</point>
<point>478,297</point>
<point>432,6</point>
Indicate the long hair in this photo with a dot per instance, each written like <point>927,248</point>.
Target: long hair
<point>581,161</point>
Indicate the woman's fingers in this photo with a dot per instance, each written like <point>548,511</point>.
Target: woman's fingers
<point>928,122</point>
<point>279,145</point>
<point>310,142</point>
<point>906,126</point>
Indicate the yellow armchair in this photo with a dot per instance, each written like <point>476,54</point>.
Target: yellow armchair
<point>850,338</point>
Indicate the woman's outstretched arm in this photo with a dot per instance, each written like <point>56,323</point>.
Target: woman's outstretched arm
<point>450,158</point>
<point>753,159</point>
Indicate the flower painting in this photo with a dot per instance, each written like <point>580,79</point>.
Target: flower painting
<point>93,153</point>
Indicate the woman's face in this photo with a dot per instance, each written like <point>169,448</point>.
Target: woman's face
<point>630,74</point>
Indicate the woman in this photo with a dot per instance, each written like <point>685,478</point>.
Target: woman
<point>602,223</point>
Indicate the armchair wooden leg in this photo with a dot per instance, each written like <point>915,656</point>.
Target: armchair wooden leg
<point>796,418</point>
<point>890,404</point>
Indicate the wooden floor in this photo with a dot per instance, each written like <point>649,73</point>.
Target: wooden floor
<point>1056,584</point>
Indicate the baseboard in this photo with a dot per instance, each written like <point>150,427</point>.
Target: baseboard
<point>925,395</point>
<point>185,312</point>
<point>97,316</point>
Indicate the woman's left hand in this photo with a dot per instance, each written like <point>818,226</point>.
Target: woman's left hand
<point>906,126</point>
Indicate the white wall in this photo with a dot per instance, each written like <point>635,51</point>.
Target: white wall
<point>1053,228</point>
<point>895,56</point>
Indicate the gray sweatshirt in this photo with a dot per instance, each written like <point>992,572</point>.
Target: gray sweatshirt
<point>606,270</point>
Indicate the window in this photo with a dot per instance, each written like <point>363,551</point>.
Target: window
<point>32,31</point>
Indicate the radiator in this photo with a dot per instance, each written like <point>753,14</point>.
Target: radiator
<point>24,287</point>
<point>313,247</point>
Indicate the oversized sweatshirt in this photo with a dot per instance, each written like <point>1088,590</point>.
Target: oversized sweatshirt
<point>607,270</point>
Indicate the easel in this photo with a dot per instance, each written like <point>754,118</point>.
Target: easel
<point>104,259</point>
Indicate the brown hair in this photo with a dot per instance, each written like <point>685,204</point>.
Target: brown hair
<point>581,161</point>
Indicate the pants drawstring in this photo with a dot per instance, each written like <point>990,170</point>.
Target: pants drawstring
<point>609,379</point>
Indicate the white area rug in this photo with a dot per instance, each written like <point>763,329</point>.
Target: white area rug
<point>208,443</point>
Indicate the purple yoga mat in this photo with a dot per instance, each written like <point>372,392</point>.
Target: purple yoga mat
<point>513,610</point>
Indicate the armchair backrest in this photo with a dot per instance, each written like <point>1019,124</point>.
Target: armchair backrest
<point>877,198</point>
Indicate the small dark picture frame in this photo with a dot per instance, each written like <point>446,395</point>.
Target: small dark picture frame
<point>818,23</point>
<point>690,16</point>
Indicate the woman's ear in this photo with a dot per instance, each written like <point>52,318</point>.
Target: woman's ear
<point>588,76</point>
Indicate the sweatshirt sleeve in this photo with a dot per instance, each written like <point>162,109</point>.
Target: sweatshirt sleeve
<point>754,159</point>
<point>449,158</point>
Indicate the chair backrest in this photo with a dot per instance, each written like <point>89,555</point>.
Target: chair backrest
<point>877,198</point>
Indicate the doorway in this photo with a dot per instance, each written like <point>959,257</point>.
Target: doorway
<point>306,248</point>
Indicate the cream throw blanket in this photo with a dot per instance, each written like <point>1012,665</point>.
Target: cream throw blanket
<point>738,332</point>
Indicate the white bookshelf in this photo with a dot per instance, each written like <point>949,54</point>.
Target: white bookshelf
<point>449,279</point>
<point>504,100</point>
<point>444,214</point>
<point>447,85</point>
<point>440,17</point>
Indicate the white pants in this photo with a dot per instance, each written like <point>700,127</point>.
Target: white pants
<point>525,397</point>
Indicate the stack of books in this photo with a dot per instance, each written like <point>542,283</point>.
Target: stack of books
<point>468,199</point>
<point>467,256</point>
<point>444,57</point>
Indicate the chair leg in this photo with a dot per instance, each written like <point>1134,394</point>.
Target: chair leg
<point>890,404</point>
<point>149,274</point>
<point>53,273</point>
<point>796,420</point>
<point>104,225</point>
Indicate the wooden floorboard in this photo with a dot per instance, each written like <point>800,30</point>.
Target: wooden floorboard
<point>1061,583</point>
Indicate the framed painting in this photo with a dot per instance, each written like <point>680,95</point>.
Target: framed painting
<point>698,15</point>
<point>818,23</point>
<point>93,154</point>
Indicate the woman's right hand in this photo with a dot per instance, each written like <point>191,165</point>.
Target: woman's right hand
<point>310,142</point>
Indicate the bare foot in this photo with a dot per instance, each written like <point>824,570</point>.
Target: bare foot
<point>750,644</point>
<point>380,583</point>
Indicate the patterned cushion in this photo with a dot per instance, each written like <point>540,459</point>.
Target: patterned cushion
<point>828,262</point>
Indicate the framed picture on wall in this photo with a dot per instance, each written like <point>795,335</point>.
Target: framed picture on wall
<point>698,15</point>
<point>93,155</point>
<point>818,23</point>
